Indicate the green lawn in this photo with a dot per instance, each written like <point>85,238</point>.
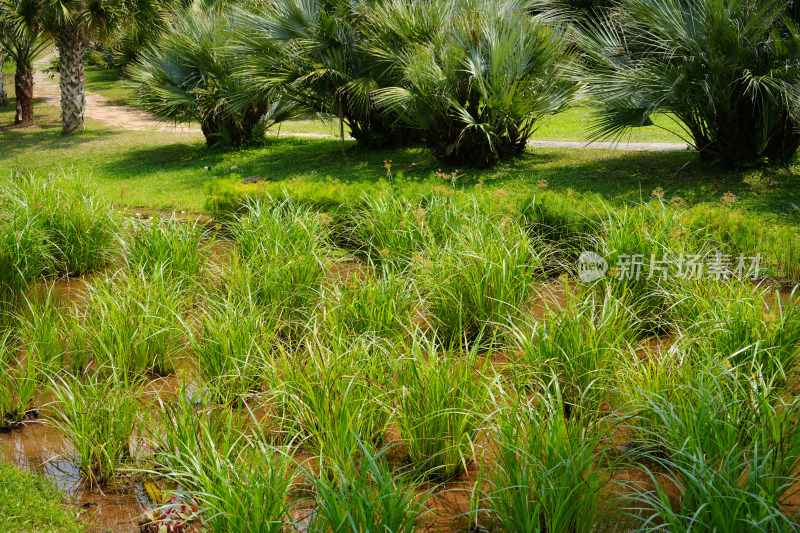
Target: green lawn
<point>108,83</point>
<point>575,123</point>
<point>570,125</point>
<point>168,169</point>
<point>32,504</point>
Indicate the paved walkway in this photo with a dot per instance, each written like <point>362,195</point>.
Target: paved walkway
<point>107,111</point>
<point>628,146</point>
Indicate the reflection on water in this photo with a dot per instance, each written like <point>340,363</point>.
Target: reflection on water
<point>40,449</point>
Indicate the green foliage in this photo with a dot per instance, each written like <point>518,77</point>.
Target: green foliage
<point>168,246</point>
<point>473,76</point>
<point>396,230</point>
<point>731,448</point>
<point>277,229</point>
<point>50,227</point>
<point>726,70</point>
<point>580,344</point>
<point>743,324</point>
<point>34,499</point>
<point>25,254</point>
<point>379,306</point>
<point>440,408</point>
<point>549,474</point>
<point>315,53</point>
<point>281,262</point>
<point>643,247</point>
<point>234,481</point>
<point>370,498</point>
<point>80,224</point>
<point>44,332</point>
<point>189,75</point>
<point>334,400</point>
<point>233,347</point>
<point>19,384</point>
<point>480,279</point>
<point>777,243</point>
<point>100,419</point>
<point>178,430</point>
<point>130,327</point>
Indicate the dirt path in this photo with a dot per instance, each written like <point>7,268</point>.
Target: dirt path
<point>101,108</point>
<point>108,112</point>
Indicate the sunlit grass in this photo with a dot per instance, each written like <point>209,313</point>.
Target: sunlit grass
<point>345,371</point>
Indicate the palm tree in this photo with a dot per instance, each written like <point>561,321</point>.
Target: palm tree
<point>474,75</point>
<point>3,96</point>
<point>189,75</point>
<point>21,38</point>
<point>312,52</point>
<point>145,22</point>
<point>727,71</point>
<point>72,25</point>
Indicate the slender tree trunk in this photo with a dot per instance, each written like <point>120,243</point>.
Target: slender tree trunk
<point>3,96</point>
<point>341,122</point>
<point>23,90</point>
<point>71,46</point>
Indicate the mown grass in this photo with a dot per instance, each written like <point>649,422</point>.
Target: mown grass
<point>32,503</point>
<point>168,170</point>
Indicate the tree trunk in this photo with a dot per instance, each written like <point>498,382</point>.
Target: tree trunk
<point>3,96</point>
<point>71,46</point>
<point>23,90</point>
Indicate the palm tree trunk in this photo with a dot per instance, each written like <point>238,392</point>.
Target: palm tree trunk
<point>3,96</point>
<point>23,90</point>
<point>71,49</point>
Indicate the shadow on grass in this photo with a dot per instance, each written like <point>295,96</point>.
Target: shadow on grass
<point>162,168</point>
<point>617,176</point>
<point>45,134</point>
<point>291,158</point>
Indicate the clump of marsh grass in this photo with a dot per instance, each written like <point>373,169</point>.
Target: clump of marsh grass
<point>80,226</point>
<point>130,325</point>
<point>549,473</point>
<point>731,447</point>
<point>440,406</point>
<point>391,229</point>
<point>19,383</point>
<point>480,280</point>
<point>26,254</point>
<point>740,323</point>
<point>280,261</point>
<point>334,402</point>
<point>234,348</point>
<point>278,229</point>
<point>381,306</point>
<point>367,496</point>
<point>100,419</point>
<point>642,246</point>
<point>582,343</point>
<point>288,286</point>
<point>168,246</point>
<point>190,423</point>
<point>233,481</point>
<point>645,376</point>
<point>42,331</point>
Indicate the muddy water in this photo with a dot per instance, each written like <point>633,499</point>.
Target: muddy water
<point>40,449</point>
